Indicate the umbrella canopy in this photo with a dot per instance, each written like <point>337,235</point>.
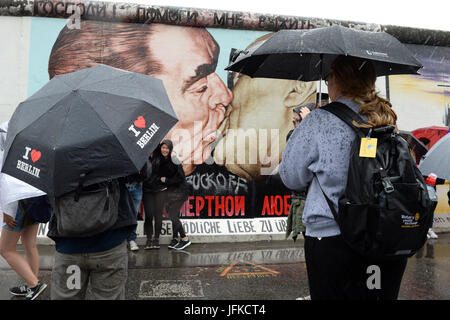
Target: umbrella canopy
<point>102,122</point>
<point>416,145</point>
<point>437,160</point>
<point>307,54</point>
<point>12,189</point>
<point>431,134</point>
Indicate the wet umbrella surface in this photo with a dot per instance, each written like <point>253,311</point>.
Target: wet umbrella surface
<point>307,55</point>
<point>101,121</point>
<point>437,160</point>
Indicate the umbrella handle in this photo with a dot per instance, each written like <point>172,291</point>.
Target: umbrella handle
<point>320,81</point>
<point>320,91</point>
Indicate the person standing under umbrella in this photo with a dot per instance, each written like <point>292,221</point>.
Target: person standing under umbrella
<point>321,146</point>
<point>153,209</point>
<point>166,186</point>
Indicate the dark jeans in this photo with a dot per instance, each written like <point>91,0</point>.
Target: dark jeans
<point>173,208</point>
<point>153,210</point>
<point>154,203</point>
<point>136,194</point>
<point>335,272</point>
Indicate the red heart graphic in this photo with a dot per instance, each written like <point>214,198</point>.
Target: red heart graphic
<point>35,155</point>
<point>140,122</point>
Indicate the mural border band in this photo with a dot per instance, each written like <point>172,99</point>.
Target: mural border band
<point>183,16</point>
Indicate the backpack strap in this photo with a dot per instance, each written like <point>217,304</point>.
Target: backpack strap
<point>80,187</point>
<point>347,115</point>
<point>330,203</point>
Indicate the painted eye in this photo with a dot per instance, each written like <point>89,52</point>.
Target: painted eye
<point>202,89</point>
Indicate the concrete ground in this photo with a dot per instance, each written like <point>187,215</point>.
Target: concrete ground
<point>263,270</point>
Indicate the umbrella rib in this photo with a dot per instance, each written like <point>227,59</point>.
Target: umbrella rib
<point>110,94</point>
<point>115,95</point>
<point>157,106</point>
<point>101,119</point>
<point>38,118</point>
<point>47,96</point>
<point>65,95</point>
<point>114,77</point>
<point>118,75</point>
<point>57,144</point>
<point>139,99</point>
<point>343,41</point>
<point>88,73</point>
<point>64,81</point>
<point>92,107</point>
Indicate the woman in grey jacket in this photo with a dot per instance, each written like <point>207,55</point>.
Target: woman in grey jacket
<point>320,146</point>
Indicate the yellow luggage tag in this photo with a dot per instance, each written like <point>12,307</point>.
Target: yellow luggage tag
<point>368,147</point>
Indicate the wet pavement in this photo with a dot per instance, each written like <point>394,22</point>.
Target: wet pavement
<point>264,270</point>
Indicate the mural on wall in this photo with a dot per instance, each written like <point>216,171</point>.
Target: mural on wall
<point>232,128</point>
<point>252,118</point>
<point>421,101</point>
<point>141,13</point>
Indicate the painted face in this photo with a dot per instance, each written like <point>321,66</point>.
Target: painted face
<point>260,119</point>
<point>165,150</point>
<point>189,57</point>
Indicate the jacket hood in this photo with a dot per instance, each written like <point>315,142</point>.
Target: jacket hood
<point>167,143</point>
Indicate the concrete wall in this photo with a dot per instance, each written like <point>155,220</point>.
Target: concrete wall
<point>26,45</point>
<point>14,57</point>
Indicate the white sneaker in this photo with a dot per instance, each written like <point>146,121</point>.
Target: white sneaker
<point>133,246</point>
<point>304,298</point>
<point>432,234</point>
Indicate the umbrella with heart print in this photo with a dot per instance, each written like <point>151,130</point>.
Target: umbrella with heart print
<point>101,123</point>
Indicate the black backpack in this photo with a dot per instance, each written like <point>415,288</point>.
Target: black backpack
<point>385,211</point>
<point>87,211</point>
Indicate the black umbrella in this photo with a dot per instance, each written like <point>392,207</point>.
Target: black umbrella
<point>307,54</point>
<point>102,122</point>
